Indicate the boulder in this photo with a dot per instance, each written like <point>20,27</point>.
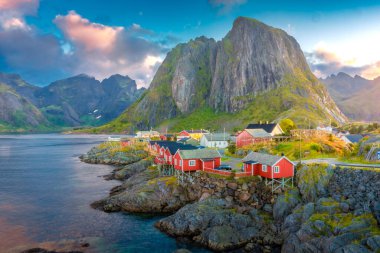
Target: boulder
<point>213,224</point>
<point>232,185</point>
<point>285,204</point>
<point>353,248</point>
<point>308,211</point>
<point>374,243</point>
<point>313,180</point>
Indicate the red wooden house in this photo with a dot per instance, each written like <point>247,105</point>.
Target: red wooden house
<point>268,166</point>
<point>196,159</point>
<point>251,136</point>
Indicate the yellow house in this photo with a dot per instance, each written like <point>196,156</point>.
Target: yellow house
<point>194,134</point>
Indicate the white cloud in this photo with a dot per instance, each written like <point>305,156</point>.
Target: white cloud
<point>358,56</point>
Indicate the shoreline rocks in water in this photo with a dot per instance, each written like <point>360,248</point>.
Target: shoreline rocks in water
<point>216,224</point>
<point>329,210</point>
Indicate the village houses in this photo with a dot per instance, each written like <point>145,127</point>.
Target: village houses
<point>215,140</point>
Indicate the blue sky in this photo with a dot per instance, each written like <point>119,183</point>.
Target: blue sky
<point>46,40</point>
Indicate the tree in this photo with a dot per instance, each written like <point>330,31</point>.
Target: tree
<point>287,125</point>
<point>231,148</point>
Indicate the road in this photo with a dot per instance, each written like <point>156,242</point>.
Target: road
<point>334,161</point>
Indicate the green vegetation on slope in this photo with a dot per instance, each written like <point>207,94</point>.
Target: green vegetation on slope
<point>291,100</point>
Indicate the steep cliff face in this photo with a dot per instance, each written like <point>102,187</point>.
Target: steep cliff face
<point>254,67</point>
<point>252,58</point>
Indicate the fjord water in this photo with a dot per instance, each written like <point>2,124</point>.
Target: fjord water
<point>46,191</point>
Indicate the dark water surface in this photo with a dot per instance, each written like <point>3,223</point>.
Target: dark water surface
<point>46,191</point>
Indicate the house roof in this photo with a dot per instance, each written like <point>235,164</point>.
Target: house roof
<point>261,158</point>
<point>190,141</point>
<point>217,137</point>
<point>174,146</point>
<point>199,154</point>
<point>196,131</point>
<point>354,138</point>
<point>159,142</point>
<point>258,133</point>
<point>267,127</point>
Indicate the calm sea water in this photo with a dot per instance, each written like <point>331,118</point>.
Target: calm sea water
<point>46,191</point>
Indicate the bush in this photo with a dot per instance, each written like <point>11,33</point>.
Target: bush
<point>316,147</point>
<point>232,148</point>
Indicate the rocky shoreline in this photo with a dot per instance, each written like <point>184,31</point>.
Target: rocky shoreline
<point>329,209</point>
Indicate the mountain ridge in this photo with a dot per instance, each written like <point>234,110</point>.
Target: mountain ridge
<point>356,96</point>
<point>71,102</point>
<point>229,76</point>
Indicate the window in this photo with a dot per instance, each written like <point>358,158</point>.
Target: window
<point>264,168</point>
<point>276,169</point>
<point>180,162</point>
<point>170,158</point>
<point>175,161</point>
<point>192,163</point>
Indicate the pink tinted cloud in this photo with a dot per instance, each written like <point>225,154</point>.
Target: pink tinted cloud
<point>91,36</point>
<point>19,6</point>
<point>100,50</point>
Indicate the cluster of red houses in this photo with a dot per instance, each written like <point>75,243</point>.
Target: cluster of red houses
<point>188,158</point>
<point>184,157</point>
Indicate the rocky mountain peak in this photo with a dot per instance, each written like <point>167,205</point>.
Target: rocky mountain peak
<point>228,76</point>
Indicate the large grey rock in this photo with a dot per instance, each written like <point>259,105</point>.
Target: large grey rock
<point>132,169</point>
<point>353,248</point>
<point>313,181</point>
<point>285,204</point>
<point>374,243</point>
<point>213,224</point>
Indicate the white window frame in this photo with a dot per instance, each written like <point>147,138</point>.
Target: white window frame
<point>264,168</point>
<point>276,169</point>
<point>192,163</point>
<point>175,161</point>
<point>170,158</point>
<point>180,162</point>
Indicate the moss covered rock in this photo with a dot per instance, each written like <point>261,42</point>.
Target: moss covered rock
<point>313,180</point>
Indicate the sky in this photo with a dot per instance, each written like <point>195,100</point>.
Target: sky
<point>48,40</point>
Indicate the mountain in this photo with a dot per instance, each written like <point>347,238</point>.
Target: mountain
<point>256,72</point>
<point>356,96</point>
<point>18,113</point>
<point>75,101</point>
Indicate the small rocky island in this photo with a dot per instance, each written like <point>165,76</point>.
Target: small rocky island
<point>328,210</point>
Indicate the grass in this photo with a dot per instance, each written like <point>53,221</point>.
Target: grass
<point>323,147</point>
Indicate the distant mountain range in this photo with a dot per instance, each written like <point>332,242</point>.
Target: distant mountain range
<point>256,72</point>
<point>76,101</point>
<point>357,97</point>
